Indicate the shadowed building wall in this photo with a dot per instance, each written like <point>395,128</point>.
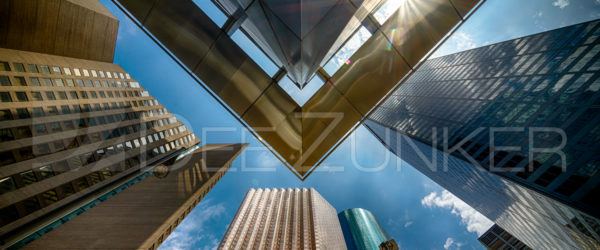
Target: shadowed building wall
<point>75,28</point>
<point>144,214</point>
<point>284,219</point>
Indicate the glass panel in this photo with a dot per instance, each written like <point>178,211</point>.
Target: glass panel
<point>387,10</point>
<point>344,54</point>
<point>212,11</point>
<point>301,96</point>
<point>254,52</point>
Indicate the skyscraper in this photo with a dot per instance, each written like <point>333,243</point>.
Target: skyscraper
<point>142,213</point>
<point>72,124</point>
<point>496,238</point>
<point>362,230</point>
<point>536,97</point>
<point>284,219</point>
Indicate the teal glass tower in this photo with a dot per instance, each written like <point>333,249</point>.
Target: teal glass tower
<point>361,229</point>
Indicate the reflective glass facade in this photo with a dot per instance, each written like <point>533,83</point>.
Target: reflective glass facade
<point>496,238</point>
<point>361,229</point>
<point>521,113</point>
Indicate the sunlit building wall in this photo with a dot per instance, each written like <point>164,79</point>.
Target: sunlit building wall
<point>70,126</point>
<point>284,219</point>
<point>535,89</point>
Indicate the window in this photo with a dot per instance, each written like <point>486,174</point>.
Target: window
<point>5,97</point>
<point>73,95</point>
<point>22,132</point>
<point>20,81</point>
<point>70,83</point>
<point>94,73</point>
<point>4,81</point>
<point>45,172</point>
<point>4,66</point>
<point>101,73</point>
<point>52,110</point>
<point>50,95</point>
<point>85,72</point>
<point>19,67</point>
<point>83,94</point>
<point>33,68</point>
<point>21,96</point>
<point>38,112</point>
<point>28,177</point>
<point>23,113</point>
<point>40,129</point>
<point>62,95</point>
<point>76,71</point>
<point>65,109</point>
<point>34,81</point>
<point>49,197</point>
<point>36,96</point>
<point>6,135</point>
<point>59,82</point>
<point>56,70</point>
<point>254,52</point>
<point>80,83</point>
<point>342,57</point>
<point>45,69</point>
<point>5,115</point>
<point>93,94</point>
<point>55,126</point>
<point>47,81</point>
<point>31,204</point>
<point>6,185</point>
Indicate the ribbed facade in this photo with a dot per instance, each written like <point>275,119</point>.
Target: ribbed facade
<point>284,219</point>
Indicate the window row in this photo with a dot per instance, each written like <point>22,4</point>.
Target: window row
<point>58,82</point>
<point>22,96</point>
<point>45,69</point>
<point>41,149</point>
<point>34,203</point>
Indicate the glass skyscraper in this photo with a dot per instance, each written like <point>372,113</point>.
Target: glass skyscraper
<point>362,230</point>
<point>519,120</point>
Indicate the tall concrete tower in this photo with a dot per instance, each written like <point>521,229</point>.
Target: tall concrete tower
<point>284,219</point>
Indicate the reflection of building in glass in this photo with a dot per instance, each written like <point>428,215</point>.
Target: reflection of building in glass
<point>142,213</point>
<point>284,219</point>
<point>535,86</point>
<point>362,230</point>
<point>496,238</point>
<point>72,124</point>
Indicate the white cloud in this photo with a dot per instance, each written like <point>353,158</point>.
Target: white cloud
<point>192,229</point>
<point>463,41</point>
<point>474,221</point>
<point>561,3</point>
<point>450,242</point>
<point>408,223</point>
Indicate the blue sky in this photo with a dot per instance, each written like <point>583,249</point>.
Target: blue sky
<point>418,213</point>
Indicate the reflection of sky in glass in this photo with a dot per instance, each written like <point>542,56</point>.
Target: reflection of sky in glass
<point>254,52</point>
<point>344,54</point>
<point>387,10</point>
<point>301,96</point>
<point>212,11</point>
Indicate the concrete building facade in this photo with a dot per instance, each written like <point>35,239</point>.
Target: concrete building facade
<point>284,219</point>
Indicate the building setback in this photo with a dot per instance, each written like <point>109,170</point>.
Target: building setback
<point>284,219</point>
<point>540,89</point>
<point>496,238</point>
